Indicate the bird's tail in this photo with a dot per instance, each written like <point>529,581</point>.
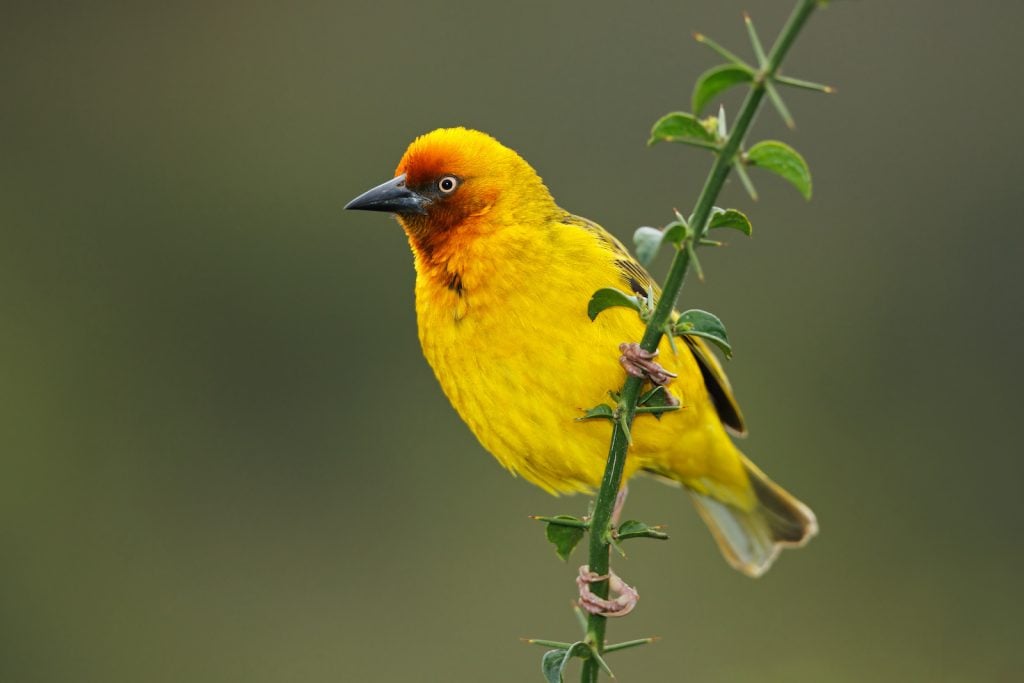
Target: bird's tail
<point>751,539</point>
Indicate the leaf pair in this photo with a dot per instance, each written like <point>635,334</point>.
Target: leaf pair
<point>647,241</point>
<point>564,532</point>
<point>553,662</point>
<point>771,155</point>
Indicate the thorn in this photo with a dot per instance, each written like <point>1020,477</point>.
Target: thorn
<point>546,643</point>
<point>698,36</point>
<point>615,647</point>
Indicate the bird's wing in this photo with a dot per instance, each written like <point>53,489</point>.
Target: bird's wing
<point>639,281</point>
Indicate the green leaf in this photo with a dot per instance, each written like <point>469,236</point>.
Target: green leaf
<point>601,411</point>
<point>730,218</point>
<point>703,324</point>
<point>658,396</point>
<point>609,297</point>
<point>564,538</point>
<point>634,529</point>
<point>681,127</point>
<point>657,401</point>
<point>780,158</point>
<point>716,80</point>
<point>675,232</point>
<point>553,662</point>
<point>647,242</point>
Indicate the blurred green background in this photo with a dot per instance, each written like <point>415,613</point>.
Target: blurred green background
<point>225,459</point>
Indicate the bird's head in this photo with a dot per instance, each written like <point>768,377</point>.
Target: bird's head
<point>452,178</point>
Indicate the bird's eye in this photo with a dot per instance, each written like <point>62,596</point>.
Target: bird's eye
<point>448,184</point>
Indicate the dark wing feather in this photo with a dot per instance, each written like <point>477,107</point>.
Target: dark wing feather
<point>640,282</point>
<point>718,385</point>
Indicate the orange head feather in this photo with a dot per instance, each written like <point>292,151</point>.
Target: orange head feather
<point>464,176</point>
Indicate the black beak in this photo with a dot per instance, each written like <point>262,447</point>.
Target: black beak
<point>391,196</point>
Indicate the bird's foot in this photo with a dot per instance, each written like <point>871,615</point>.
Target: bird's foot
<point>622,604</point>
<point>640,363</point>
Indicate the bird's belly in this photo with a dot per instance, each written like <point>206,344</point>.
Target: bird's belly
<point>521,376</point>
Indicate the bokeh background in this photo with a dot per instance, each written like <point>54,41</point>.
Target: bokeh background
<point>224,458</point>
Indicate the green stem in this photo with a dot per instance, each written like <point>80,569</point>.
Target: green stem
<point>600,529</point>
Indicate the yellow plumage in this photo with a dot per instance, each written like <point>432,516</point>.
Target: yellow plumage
<point>503,280</point>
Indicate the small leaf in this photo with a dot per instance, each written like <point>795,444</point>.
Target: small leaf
<point>657,401</point>
<point>564,538</point>
<point>675,232</point>
<point>601,411</point>
<point>634,529</point>
<point>681,127</point>
<point>609,297</point>
<point>730,218</point>
<point>716,80</point>
<point>780,158</point>
<point>655,397</point>
<point>703,324</point>
<point>553,662</point>
<point>647,242</point>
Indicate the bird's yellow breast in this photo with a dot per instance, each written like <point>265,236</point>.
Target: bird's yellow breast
<point>503,322</point>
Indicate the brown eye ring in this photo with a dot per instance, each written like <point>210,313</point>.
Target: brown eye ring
<point>448,184</point>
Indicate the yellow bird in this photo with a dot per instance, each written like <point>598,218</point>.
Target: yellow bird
<point>503,278</point>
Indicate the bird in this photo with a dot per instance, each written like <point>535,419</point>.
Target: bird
<point>503,279</point>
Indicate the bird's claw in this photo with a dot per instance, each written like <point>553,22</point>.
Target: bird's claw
<point>619,606</point>
<point>640,363</point>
